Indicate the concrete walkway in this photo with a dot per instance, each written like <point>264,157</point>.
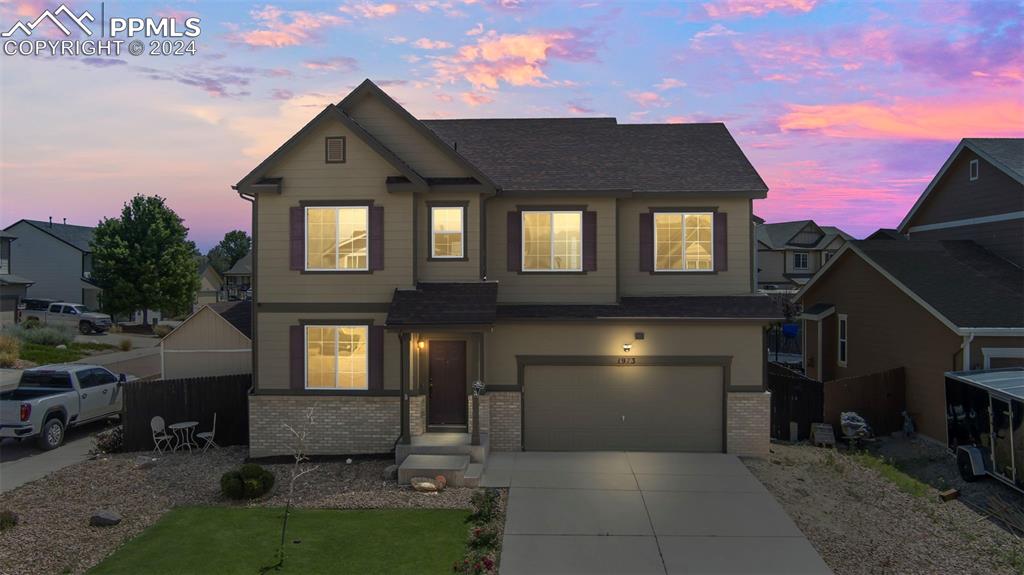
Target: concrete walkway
<point>640,513</point>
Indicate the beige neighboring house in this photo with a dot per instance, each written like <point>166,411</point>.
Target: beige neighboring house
<point>597,277</point>
<point>12,287</point>
<point>215,340</point>
<point>789,253</point>
<point>238,279</point>
<point>211,286</point>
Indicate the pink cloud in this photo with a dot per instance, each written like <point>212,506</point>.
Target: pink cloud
<point>370,10</point>
<point>669,83</point>
<point>648,99</point>
<point>580,108</point>
<point>341,63</point>
<point>476,30</point>
<point>475,98</point>
<point>742,8</point>
<point>930,119</point>
<point>428,44</point>
<point>280,28</point>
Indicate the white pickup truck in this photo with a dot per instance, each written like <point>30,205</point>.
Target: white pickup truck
<point>51,398</point>
<point>75,315</point>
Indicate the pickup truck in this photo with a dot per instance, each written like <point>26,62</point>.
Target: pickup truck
<point>51,398</point>
<point>75,315</point>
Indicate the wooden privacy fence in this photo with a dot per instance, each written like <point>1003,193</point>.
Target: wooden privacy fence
<point>194,399</point>
<point>880,398</point>
<point>795,399</point>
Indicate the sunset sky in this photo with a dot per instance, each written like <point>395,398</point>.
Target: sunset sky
<point>847,109</point>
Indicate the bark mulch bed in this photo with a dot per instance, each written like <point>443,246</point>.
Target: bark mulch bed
<point>53,533</point>
<point>861,522</point>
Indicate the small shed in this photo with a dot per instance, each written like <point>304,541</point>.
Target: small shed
<point>215,340</point>
<point>986,409</point>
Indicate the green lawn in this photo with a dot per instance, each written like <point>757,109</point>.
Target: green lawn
<point>889,471</point>
<point>227,540</point>
<point>44,354</point>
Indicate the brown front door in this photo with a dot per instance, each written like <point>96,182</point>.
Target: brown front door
<point>447,383</point>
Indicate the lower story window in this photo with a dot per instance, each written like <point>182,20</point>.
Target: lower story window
<point>336,357</point>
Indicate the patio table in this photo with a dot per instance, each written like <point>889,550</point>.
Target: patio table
<point>183,434</point>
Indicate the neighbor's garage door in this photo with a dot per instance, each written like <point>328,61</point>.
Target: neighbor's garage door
<point>639,407</point>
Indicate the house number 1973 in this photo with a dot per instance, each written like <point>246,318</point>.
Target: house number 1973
<point>627,361</point>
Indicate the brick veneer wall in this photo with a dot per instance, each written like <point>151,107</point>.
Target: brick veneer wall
<point>506,420</point>
<point>748,420</point>
<point>341,424</point>
<point>485,413</point>
<point>417,414</point>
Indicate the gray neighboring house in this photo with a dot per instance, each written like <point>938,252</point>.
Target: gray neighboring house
<point>12,287</point>
<point>789,253</point>
<point>238,279</point>
<point>58,258</point>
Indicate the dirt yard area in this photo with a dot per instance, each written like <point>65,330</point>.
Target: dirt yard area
<point>864,516</point>
<point>53,533</point>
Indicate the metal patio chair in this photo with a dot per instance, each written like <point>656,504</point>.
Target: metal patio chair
<point>207,436</point>
<point>161,439</point>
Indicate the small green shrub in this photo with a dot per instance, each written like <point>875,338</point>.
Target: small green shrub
<point>50,335</point>
<point>110,440</point>
<point>483,537</point>
<point>476,563</point>
<point>8,519</point>
<point>125,345</point>
<point>10,351</point>
<point>30,323</point>
<point>162,330</point>
<point>248,482</point>
<point>485,506</point>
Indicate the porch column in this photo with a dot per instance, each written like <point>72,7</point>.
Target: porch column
<point>475,436</point>
<point>403,343</point>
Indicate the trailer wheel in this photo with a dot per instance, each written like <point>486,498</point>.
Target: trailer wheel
<point>963,463</point>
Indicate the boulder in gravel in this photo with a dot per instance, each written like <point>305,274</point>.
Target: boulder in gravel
<point>424,484</point>
<point>104,518</point>
<point>441,482</point>
<point>144,462</point>
<point>390,473</point>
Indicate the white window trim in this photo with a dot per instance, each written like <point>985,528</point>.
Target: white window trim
<point>990,353</point>
<point>462,233</point>
<point>842,319</point>
<point>974,170</point>
<point>305,240</point>
<point>305,356</point>
<point>654,218</point>
<point>807,261</point>
<point>522,241</point>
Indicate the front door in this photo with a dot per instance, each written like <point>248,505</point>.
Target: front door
<point>447,383</point>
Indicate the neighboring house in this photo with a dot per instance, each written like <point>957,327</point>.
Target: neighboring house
<point>238,279</point>
<point>598,278</point>
<point>941,293</point>
<point>211,286</point>
<point>215,340</point>
<point>58,258</point>
<point>788,253</point>
<point>12,287</point>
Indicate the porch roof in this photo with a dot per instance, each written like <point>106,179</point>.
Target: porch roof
<point>444,303</point>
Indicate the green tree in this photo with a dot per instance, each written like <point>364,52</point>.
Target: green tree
<point>144,260</point>
<point>232,248</point>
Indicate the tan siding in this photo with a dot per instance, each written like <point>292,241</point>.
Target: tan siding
<point>404,140</point>
<point>772,265</point>
<point>735,281</point>
<point>887,329</point>
<point>206,330</point>
<point>273,347</point>
<point>742,341</point>
<point>540,287</point>
<point>452,270</point>
<point>308,177</point>
<point>205,345</point>
<point>957,198</point>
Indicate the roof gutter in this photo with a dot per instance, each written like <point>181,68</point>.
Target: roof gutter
<point>991,331</point>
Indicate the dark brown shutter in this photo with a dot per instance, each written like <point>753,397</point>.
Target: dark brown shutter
<point>721,244</point>
<point>515,242</point>
<point>589,241</point>
<point>297,234</point>
<point>297,357</point>
<point>376,358</point>
<point>376,238</point>
<point>647,242</point>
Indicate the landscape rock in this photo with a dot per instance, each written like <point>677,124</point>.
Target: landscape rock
<point>390,473</point>
<point>144,462</point>
<point>62,346</point>
<point>104,518</point>
<point>441,482</point>
<point>424,484</point>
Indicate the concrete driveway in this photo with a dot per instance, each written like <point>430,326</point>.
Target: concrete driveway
<point>640,513</point>
<point>22,461</point>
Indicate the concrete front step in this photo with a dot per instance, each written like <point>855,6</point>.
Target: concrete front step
<point>452,467</point>
<point>445,444</point>
<point>473,474</point>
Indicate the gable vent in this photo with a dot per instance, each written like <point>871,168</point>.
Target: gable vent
<point>335,150</point>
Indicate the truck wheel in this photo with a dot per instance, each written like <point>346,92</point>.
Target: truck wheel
<point>52,434</point>
<point>963,463</point>
<point>85,328</point>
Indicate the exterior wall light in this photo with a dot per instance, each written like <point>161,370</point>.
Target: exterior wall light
<point>626,347</point>
<point>421,344</point>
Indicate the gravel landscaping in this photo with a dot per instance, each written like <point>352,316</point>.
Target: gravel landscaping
<point>53,533</point>
<point>861,522</point>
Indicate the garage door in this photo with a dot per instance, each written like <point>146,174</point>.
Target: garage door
<point>637,407</point>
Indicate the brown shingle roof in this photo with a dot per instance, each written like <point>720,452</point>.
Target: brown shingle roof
<point>237,313</point>
<point>444,303</point>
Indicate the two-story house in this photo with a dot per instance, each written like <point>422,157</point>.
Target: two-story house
<point>238,279</point>
<point>941,293</point>
<point>788,253</point>
<point>58,258</point>
<point>13,288</point>
<point>597,277</point>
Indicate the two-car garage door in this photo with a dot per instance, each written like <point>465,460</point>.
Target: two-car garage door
<point>623,407</point>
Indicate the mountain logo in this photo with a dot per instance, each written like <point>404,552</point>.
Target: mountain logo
<point>28,28</point>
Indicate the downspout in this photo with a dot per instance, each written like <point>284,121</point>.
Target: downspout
<point>251,198</point>
<point>966,347</point>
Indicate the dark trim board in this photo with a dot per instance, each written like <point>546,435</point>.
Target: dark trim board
<point>319,307</point>
<point>723,361</point>
<point>330,392</point>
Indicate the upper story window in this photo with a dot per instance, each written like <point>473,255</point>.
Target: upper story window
<point>447,232</point>
<point>800,261</point>
<point>334,150</point>
<point>974,170</point>
<point>842,351</point>
<point>683,241</point>
<point>5,257</point>
<point>336,357</point>
<point>552,240</point>
<point>336,238</point>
